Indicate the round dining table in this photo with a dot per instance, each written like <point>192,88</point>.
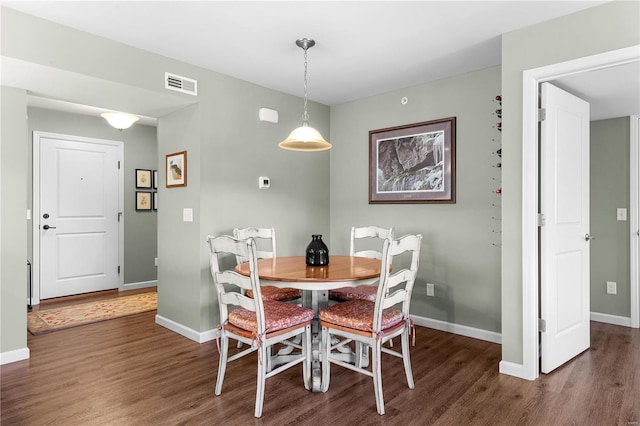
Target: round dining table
<point>315,281</point>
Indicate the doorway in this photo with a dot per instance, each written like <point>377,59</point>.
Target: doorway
<point>77,206</point>
<point>530,192</point>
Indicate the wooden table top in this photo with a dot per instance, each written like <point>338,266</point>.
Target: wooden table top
<point>293,269</point>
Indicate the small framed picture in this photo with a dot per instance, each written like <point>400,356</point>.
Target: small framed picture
<point>176,169</point>
<point>155,179</point>
<point>143,178</point>
<point>155,201</point>
<point>143,201</point>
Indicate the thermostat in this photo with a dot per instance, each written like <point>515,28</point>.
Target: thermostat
<point>264,182</point>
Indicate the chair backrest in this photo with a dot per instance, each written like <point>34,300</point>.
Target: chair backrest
<point>222,246</point>
<point>264,237</point>
<point>369,232</point>
<point>390,290</point>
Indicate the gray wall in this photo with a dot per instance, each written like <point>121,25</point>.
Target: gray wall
<point>228,149</point>
<point>457,254</point>
<point>600,29</point>
<point>13,210</point>
<point>610,190</point>
<point>140,151</point>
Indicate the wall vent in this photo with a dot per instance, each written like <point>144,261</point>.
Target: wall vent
<point>180,84</point>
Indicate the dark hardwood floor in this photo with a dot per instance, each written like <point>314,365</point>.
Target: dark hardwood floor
<point>130,371</point>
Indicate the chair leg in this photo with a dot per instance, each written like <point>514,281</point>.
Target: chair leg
<point>358,355</point>
<point>406,359</point>
<point>306,350</point>
<point>376,355</point>
<point>262,371</point>
<point>325,352</point>
<point>222,366</point>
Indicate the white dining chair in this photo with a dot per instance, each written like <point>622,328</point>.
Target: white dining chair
<point>256,322</point>
<point>370,239</point>
<point>374,323</point>
<point>266,237</point>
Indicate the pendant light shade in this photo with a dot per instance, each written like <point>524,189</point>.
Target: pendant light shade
<point>305,137</point>
<point>120,120</point>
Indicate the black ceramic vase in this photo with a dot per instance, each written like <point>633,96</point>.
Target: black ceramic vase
<point>317,252</point>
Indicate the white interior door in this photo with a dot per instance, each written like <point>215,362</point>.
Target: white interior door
<point>564,237</point>
<point>78,217</point>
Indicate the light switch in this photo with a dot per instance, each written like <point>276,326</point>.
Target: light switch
<point>621,213</point>
<point>187,215</point>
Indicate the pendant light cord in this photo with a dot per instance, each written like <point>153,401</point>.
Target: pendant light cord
<point>305,114</point>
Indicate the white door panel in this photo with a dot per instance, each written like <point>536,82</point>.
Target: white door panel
<point>564,248</point>
<point>79,192</point>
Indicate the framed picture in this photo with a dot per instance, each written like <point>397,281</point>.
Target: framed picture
<point>176,169</point>
<point>415,163</point>
<point>143,201</point>
<point>155,179</point>
<point>155,201</point>
<point>143,178</point>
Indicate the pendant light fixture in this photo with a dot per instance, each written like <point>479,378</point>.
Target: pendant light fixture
<point>305,137</point>
<point>120,120</point>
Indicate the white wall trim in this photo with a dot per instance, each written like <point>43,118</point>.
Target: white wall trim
<point>189,333</point>
<point>463,330</point>
<point>141,284</point>
<point>611,319</point>
<point>634,216</point>
<point>14,356</point>
<point>513,369</point>
<point>531,79</point>
<point>35,222</point>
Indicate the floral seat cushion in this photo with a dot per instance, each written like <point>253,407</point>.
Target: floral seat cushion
<point>274,293</point>
<point>278,316</point>
<point>358,314</point>
<point>361,292</point>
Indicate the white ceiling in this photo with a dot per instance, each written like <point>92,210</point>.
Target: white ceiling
<point>363,48</point>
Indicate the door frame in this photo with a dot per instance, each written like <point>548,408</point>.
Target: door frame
<point>530,190</point>
<point>35,223</point>
<point>634,218</point>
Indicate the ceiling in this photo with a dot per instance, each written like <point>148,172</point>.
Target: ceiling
<point>363,48</point>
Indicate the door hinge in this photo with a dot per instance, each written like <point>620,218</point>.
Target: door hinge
<point>542,114</point>
<point>542,325</point>
<point>118,269</point>
<point>118,164</point>
<point>119,216</point>
<point>540,219</point>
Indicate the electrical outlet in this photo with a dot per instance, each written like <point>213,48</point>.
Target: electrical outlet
<point>430,289</point>
<point>611,287</point>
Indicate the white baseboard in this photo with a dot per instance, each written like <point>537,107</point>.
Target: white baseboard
<point>141,284</point>
<point>189,333</point>
<point>14,356</point>
<point>476,333</point>
<point>611,319</point>
<point>513,369</point>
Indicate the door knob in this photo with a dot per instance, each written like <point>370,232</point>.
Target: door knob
<point>48,227</point>
<point>588,237</point>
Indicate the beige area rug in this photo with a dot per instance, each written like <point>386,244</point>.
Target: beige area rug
<point>47,320</point>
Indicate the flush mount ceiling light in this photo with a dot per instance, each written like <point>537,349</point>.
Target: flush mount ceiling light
<point>305,137</point>
<point>120,120</point>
